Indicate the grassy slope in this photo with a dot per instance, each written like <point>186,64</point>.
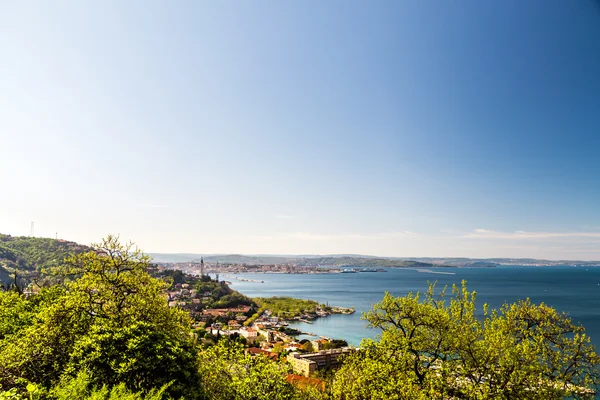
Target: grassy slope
<point>30,255</point>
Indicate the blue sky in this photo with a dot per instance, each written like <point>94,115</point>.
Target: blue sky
<point>396,128</point>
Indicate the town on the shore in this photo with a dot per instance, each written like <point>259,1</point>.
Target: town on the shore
<point>261,324</point>
<point>230,269</point>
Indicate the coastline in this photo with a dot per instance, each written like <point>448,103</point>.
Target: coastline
<point>289,309</point>
<point>569,289</point>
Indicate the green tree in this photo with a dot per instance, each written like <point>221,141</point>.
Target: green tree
<point>335,344</point>
<point>112,284</point>
<point>15,313</point>
<point>371,374</point>
<point>286,306</point>
<point>137,355</point>
<point>111,319</point>
<point>80,387</point>
<point>307,347</point>
<point>229,374</point>
<point>437,348</point>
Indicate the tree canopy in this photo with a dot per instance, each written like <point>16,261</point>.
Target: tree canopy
<point>286,306</point>
<point>109,318</point>
<point>104,330</point>
<point>432,346</point>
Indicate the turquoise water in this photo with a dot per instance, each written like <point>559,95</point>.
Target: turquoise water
<point>574,290</point>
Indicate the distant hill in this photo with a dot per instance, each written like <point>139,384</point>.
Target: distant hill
<point>243,258</point>
<point>368,262</point>
<point>337,260</point>
<point>492,262</point>
<point>29,255</point>
<point>221,258</point>
<point>457,262</point>
<point>360,260</point>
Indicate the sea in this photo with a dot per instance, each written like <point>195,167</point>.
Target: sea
<point>572,290</point>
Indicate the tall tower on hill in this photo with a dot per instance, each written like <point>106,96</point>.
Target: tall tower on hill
<point>201,267</point>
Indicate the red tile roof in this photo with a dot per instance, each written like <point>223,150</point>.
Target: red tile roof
<point>254,351</point>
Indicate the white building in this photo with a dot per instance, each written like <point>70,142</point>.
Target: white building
<point>249,333</point>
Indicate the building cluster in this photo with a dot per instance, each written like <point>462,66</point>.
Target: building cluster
<point>181,295</point>
<point>267,335</point>
<point>267,327</point>
<point>237,268</point>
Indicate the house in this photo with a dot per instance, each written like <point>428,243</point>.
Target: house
<point>254,351</point>
<point>249,333</point>
<point>307,364</point>
<point>221,312</point>
<point>234,325</point>
<point>173,295</point>
<point>294,346</point>
<point>262,330</point>
<point>240,309</point>
<point>222,333</point>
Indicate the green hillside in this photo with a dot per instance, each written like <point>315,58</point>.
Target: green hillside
<point>29,256</point>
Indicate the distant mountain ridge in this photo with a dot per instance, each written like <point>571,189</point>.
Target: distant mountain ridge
<point>361,260</point>
<point>243,258</point>
<point>30,255</point>
<point>367,262</point>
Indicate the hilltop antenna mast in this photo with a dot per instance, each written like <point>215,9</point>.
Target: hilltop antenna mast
<point>31,230</point>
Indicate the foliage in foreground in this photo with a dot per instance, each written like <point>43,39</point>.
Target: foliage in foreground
<point>227,373</point>
<point>106,333</point>
<point>108,319</point>
<point>434,348</point>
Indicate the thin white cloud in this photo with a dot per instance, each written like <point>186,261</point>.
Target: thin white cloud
<point>524,235</point>
<point>153,205</point>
